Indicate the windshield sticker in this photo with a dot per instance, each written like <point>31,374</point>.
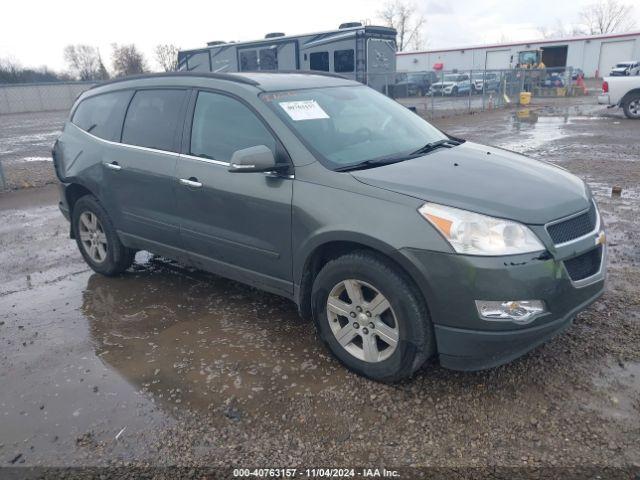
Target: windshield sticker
<point>304,110</point>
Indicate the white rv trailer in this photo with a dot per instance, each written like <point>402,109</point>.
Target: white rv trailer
<point>363,53</point>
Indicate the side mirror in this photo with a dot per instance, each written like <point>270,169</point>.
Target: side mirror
<point>253,159</point>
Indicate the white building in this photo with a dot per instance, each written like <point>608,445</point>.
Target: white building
<point>595,55</point>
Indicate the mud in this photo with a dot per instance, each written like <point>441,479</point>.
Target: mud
<point>167,365</point>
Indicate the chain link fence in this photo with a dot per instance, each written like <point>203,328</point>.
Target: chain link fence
<point>434,94</point>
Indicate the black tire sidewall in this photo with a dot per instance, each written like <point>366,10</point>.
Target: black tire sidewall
<point>416,338</point>
<point>626,107</point>
<point>115,250</point>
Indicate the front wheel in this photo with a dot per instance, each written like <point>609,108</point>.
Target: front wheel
<point>372,317</point>
<point>631,107</point>
<point>97,238</point>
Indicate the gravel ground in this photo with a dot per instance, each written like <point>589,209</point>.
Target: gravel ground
<point>172,366</point>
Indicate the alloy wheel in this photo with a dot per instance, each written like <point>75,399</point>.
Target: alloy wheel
<point>362,320</point>
<point>92,236</point>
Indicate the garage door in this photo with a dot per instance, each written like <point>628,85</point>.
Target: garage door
<point>497,59</point>
<point>612,53</point>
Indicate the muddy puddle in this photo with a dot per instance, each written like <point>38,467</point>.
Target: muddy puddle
<point>140,351</point>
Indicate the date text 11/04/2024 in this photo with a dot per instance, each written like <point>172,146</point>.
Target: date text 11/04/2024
<point>316,472</point>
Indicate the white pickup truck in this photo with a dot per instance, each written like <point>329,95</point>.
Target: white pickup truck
<point>622,92</point>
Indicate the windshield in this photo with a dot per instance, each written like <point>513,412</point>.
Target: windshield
<point>348,125</point>
<point>622,65</point>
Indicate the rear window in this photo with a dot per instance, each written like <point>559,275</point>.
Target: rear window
<point>152,119</point>
<point>102,115</point>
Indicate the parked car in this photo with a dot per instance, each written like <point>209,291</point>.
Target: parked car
<point>451,84</point>
<point>413,84</point>
<point>554,79</point>
<point>401,242</point>
<point>622,92</point>
<point>625,69</point>
<point>485,81</point>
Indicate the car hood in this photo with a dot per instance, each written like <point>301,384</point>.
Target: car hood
<point>620,69</point>
<point>486,180</point>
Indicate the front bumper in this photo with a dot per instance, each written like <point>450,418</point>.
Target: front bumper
<point>451,283</point>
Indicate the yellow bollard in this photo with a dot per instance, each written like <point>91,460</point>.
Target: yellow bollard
<point>525,98</point>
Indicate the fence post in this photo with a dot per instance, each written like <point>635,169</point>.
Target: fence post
<point>3,182</point>
<point>470,87</point>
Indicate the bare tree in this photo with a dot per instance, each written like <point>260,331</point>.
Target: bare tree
<point>10,70</point>
<point>83,61</point>
<point>561,30</point>
<point>127,60</point>
<point>167,57</point>
<point>402,16</point>
<point>607,16</point>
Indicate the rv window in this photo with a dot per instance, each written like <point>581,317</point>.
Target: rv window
<point>343,61</point>
<point>152,119</point>
<point>249,61</point>
<point>319,61</point>
<point>102,115</point>
<point>222,125</point>
<point>269,59</point>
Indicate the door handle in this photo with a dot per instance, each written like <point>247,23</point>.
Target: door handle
<point>113,166</point>
<point>191,182</point>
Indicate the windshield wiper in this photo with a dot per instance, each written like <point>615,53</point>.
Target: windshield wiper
<point>445,143</point>
<point>369,164</point>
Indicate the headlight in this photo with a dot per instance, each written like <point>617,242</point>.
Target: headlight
<point>474,234</point>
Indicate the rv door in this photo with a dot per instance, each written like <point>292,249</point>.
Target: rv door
<point>381,63</point>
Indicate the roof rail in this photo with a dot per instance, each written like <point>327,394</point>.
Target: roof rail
<point>218,76</point>
<point>307,72</point>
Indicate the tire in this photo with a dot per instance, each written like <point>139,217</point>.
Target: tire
<point>454,92</point>
<point>115,257</point>
<point>631,107</point>
<point>406,314</point>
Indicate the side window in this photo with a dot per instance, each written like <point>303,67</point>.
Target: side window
<point>343,61</point>
<point>269,59</point>
<point>152,119</point>
<point>249,61</point>
<point>102,115</point>
<point>222,125</point>
<point>198,62</point>
<point>319,61</point>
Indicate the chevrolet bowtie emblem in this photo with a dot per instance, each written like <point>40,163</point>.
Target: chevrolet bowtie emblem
<point>601,239</point>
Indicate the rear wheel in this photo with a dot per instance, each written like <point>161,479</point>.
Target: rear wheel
<point>97,238</point>
<point>372,317</point>
<point>631,107</point>
<point>454,91</point>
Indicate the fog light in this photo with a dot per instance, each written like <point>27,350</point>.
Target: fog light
<point>517,311</point>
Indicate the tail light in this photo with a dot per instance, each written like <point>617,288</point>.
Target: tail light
<point>605,87</point>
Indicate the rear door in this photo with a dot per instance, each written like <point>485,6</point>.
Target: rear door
<point>140,170</point>
<point>235,224</point>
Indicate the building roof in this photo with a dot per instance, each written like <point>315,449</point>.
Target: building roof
<point>527,42</point>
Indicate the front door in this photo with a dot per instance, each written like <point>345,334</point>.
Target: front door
<point>235,224</point>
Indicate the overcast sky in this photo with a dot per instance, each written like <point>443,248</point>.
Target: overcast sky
<point>35,32</point>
